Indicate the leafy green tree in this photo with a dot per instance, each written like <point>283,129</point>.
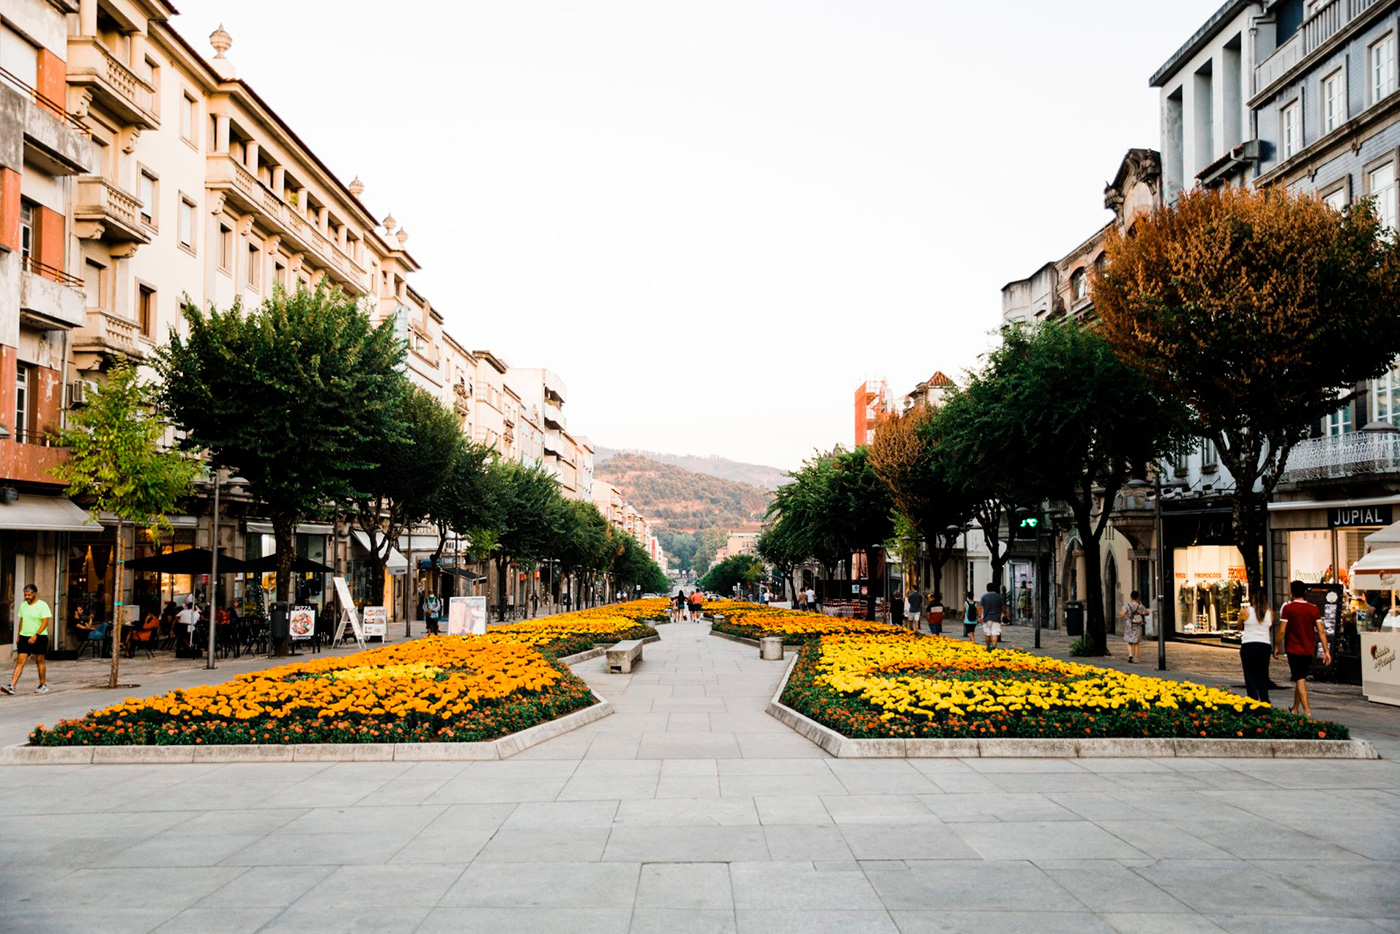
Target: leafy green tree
<point>117,461</point>
<point>465,503</point>
<point>1260,312</point>
<point>403,474</point>
<point>529,517</point>
<point>583,546</point>
<point>777,548</point>
<point>743,570</point>
<point>294,396</point>
<point>1084,422</point>
<point>633,569</point>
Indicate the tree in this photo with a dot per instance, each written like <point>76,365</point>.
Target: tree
<point>401,476</point>
<point>465,502</point>
<point>741,570</point>
<point>528,518</point>
<point>293,396</point>
<point>906,455</point>
<point>1260,312</point>
<point>583,544</point>
<point>633,569</point>
<point>116,459</point>
<point>1085,422</point>
<point>777,547</point>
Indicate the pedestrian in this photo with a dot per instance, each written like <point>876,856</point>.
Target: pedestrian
<point>898,603</point>
<point>1134,616</point>
<point>1255,641</point>
<point>697,605</point>
<point>188,618</point>
<point>34,619</point>
<point>970,612</point>
<point>1298,638</point>
<point>916,609</point>
<point>432,612</point>
<point>935,612</point>
<point>811,600</point>
<point>989,612</point>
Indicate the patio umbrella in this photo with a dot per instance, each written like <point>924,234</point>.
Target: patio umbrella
<point>300,565</point>
<point>188,561</point>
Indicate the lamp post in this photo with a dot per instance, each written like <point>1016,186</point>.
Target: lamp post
<point>1155,491</point>
<point>234,485</point>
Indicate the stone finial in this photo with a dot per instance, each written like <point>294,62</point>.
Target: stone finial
<point>389,223</point>
<point>401,236</point>
<point>221,41</point>
<point>356,186</point>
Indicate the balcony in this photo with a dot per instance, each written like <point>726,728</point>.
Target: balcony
<point>50,297</point>
<point>553,414</point>
<point>1360,454</point>
<point>116,213</point>
<point>106,333</point>
<point>114,87</point>
<point>1311,36</point>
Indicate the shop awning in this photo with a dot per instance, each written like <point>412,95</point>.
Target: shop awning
<point>258,527</point>
<point>45,514</point>
<point>1388,537</point>
<point>1380,570</point>
<point>398,564</point>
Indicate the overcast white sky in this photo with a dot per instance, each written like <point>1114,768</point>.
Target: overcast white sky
<point>715,218</point>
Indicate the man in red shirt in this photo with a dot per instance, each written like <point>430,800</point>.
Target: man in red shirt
<point>1298,637</point>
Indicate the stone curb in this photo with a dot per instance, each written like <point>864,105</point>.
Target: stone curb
<point>843,747</point>
<point>502,748</point>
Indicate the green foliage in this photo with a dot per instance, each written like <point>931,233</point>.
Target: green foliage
<point>834,506</point>
<point>1083,647</point>
<point>632,566</point>
<point>680,498</point>
<point>744,570</point>
<point>465,502</point>
<point>297,397</point>
<point>116,458</point>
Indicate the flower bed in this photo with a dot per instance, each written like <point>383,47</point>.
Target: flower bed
<point>752,621</point>
<point>437,689</point>
<point>900,685</point>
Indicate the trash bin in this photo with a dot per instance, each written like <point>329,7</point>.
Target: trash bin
<point>1074,618</point>
<point>279,627</point>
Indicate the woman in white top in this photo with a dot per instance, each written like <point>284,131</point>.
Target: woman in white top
<point>1256,645</point>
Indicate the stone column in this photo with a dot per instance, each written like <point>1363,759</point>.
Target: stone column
<point>250,156</point>
<point>87,17</point>
<point>221,133</point>
<point>279,181</point>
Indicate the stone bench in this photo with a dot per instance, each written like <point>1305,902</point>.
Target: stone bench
<point>621,656</point>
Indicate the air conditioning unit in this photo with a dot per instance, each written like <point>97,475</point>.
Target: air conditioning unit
<point>80,391</point>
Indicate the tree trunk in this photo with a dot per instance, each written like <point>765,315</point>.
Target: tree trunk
<point>870,581</point>
<point>283,532</point>
<point>1095,622</point>
<point>117,605</point>
<point>501,589</point>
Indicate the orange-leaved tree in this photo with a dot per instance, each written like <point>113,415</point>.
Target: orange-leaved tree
<point>1260,311</point>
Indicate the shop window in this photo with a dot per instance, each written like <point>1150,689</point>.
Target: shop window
<point>1310,557</point>
<point>1210,587</point>
<point>1385,396</point>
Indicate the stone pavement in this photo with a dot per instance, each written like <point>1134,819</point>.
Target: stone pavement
<point>690,810</point>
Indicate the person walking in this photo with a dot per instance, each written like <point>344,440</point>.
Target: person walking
<point>1255,642</point>
<point>1298,638</point>
<point>677,605</point>
<point>989,611</point>
<point>811,600</point>
<point>1134,616</point>
<point>697,605</point>
<point>916,609</point>
<point>898,605</point>
<point>34,619</point>
<point>970,614</point>
<point>189,619</point>
<point>432,612</point>
<point>935,612</point>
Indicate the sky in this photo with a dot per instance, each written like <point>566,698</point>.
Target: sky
<point>715,218</point>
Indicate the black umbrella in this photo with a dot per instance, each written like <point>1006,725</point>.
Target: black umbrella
<point>300,565</point>
<point>188,561</point>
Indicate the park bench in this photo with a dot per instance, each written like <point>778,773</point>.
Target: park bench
<point>621,656</point>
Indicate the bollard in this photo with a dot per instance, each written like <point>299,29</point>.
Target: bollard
<point>770,648</point>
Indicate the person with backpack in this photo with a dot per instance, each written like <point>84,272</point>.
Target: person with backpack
<point>970,610</point>
<point>1134,616</point>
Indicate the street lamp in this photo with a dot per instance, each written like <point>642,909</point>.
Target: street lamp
<point>1155,493</point>
<point>234,484</point>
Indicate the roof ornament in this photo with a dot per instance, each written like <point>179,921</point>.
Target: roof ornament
<point>222,42</point>
<point>356,186</point>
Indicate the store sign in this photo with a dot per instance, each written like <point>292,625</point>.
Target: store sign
<point>376,621</point>
<point>302,621</point>
<point>1350,516</point>
<point>466,616</point>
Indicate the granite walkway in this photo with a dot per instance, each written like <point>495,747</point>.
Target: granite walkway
<point>690,810</point>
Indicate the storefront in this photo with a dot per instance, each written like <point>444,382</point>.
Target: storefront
<point>1321,544</point>
<point>311,541</point>
<point>1206,571</point>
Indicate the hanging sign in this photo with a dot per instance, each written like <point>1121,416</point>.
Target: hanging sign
<point>466,616</point>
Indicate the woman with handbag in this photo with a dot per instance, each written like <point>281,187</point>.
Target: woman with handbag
<point>1134,618</point>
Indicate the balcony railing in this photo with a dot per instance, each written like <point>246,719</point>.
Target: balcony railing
<point>30,264</point>
<point>117,210</point>
<point>1358,454</point>
<point>112,82</point>
<point>47,103</point>
<point>1315,30</point>
<point>106,332</point>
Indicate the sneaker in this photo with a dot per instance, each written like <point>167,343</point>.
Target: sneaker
<point>7,688</point>
<point>42,689</point>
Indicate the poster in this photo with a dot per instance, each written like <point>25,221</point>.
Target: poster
<point>376,621</point>
<point>302,620</point>
<point>466,616</point>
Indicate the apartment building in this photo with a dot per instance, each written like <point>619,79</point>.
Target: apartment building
<point>872,405</point>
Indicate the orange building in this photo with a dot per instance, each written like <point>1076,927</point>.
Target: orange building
<point>872,407</point>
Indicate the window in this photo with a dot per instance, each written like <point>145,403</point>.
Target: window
<point>1337,200</point>
<point>1381,65</point>
<point>1385,397</point>
<point>225,249</point>
<point>1339,422</point>
<point>1334,100</point>
<point>146,309</point>
<point>1381,183</point>
<point>254,264</point>
<point>1209,459</point>
<point>187,211</point>
<point>1291,129</point>
<point>187,119</point>
<point>147,195</point>
<point>1079,284</point>
<point>26,229</point>
<point>22,407</point>
<point>20,59</point>
<point>279,274</point>
<point>94,284</point>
